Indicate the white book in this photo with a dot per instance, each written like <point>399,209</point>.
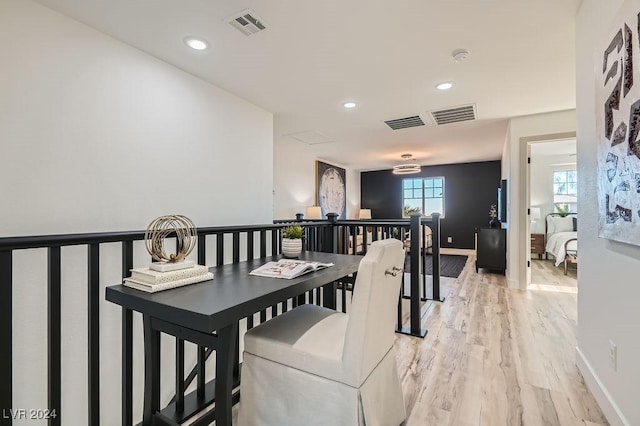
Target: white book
<point>153,288</point>
<point>171,266</point>
<point>288,268</point>
<point>150,276</point>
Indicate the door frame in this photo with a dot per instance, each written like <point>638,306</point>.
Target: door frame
<point>524,198</point>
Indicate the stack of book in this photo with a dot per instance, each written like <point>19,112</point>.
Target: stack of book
<point>158,277</point>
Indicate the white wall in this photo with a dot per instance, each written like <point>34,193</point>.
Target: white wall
<point>294,174</point>
<point>525,127</point>
<point>98,136</point>
<point>542,168</point>
<point>608,273</point>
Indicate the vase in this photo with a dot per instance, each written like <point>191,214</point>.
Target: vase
<point>291,247</point>
<point>494,223</point>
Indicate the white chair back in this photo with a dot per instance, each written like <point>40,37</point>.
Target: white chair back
<point>370,330</point>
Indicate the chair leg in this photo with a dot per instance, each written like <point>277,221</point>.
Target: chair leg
<point>565,266</point>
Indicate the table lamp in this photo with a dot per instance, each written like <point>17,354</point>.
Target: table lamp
<point>535,216</point>
<point>313,213</point>
<point>365,214</point>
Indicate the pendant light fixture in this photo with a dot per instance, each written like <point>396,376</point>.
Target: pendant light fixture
<point>408,167</point>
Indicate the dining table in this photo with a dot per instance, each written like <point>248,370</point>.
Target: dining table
<point>208,315</point>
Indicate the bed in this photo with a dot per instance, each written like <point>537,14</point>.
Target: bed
<point>562,238</point>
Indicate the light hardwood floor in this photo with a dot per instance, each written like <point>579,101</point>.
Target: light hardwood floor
<point>496,356</point>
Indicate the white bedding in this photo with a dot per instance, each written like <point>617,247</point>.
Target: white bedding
<point>555,245</point>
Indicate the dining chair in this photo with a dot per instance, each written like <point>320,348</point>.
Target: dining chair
<point>429,245</point>
<point>316,366</point>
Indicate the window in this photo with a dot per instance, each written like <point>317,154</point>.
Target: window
<point>425,195</point>
<point>565,191</point>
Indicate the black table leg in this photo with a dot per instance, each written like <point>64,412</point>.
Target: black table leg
<point>151,371</point>
<point>329,295</point>
<point>226,358</point>
<point>236,357</point>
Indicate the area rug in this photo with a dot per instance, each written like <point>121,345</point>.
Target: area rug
<point>451,265</point>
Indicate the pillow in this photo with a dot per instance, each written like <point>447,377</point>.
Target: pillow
<point>575,223</point>
<point>562,224</point>
<point>550,227</point>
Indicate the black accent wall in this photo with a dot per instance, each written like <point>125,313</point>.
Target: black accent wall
<point>470,190</point>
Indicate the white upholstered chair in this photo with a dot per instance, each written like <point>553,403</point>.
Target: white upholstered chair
<point>427,236</point>
<point>316,366</point>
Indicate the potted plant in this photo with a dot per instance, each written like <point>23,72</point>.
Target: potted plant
<point>562,210</point>
<point>493,214</point>
<point>292,241</point>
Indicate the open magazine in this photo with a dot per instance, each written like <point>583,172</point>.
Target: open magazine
<point>288,268</point>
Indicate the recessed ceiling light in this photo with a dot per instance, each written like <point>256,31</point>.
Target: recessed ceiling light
<point>444,86</point>
<point>196,43</point>
<point>349,105</point>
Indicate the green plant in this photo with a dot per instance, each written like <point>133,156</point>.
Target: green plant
<point>562,209</point>
<point>408,211</point>
<point>493,211</point>
<point>293,232</point>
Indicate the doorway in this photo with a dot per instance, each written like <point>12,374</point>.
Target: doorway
<point>552,203</point>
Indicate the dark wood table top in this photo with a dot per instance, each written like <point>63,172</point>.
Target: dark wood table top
<point>232,294</point>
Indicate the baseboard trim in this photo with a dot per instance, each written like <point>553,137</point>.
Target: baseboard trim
<point>610,409</point>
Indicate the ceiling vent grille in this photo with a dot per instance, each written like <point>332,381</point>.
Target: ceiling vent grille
<point>247,23</point>
<point>403,123</point>
<point>454,115</point>
<point>310,137</point>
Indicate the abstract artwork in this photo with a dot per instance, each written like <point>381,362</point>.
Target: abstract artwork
<point>331,189</point>
<point>618,127</point>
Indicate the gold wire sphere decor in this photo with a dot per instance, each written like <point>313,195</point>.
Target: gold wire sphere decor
<point>169,226</point>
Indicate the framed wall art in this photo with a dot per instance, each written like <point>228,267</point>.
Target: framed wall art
<point>617,79</point>
<point>331,189</point>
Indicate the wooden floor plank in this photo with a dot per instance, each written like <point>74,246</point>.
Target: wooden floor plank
<point>496,356</point>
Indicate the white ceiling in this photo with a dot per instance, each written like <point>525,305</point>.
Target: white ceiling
<point>385,55</point>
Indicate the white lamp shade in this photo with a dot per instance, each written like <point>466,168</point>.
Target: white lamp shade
<point>365,214</point>
<point>313,213</point>
<point>535,213</point>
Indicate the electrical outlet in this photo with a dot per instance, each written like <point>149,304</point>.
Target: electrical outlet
<point>449,239</point>
<point>613,355</point>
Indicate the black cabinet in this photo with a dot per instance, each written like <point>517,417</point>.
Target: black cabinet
<point>491,249</point>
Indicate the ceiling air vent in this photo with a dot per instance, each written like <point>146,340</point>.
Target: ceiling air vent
<point>403,123</point>
<point>247,22</point>
<point>454,115</point>
<point>310,137</point>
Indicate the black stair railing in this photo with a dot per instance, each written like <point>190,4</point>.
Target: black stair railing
<point>259,241</point>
